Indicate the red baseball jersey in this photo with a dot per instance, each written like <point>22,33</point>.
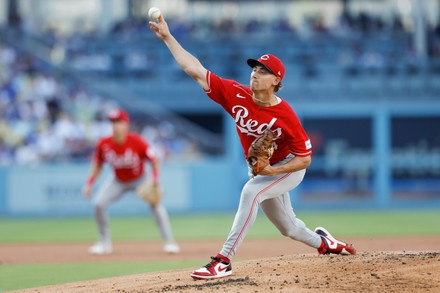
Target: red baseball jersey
<point>126,159</point>
<point>251,120</point>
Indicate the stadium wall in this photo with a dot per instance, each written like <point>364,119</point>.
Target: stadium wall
<point>366,155</point>
<point>55,190</point>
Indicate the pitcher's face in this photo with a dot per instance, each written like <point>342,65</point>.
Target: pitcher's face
<point>262,79</point>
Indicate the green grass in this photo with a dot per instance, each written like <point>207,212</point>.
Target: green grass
<point>378,223</point>
<point>364,224</point>
<point>381,223</point>
<point>130,228</point>
<point>21,276</point>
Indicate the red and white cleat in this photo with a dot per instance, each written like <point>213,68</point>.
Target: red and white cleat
<point>331,245</point>
<point>219,267</point>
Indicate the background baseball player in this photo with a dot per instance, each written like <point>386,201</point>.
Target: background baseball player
<point>125,152</point>
<point>255,109</point>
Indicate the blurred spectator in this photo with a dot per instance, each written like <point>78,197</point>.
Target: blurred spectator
<point>45,118</point>
<point>373,36</point>
<point>48,119</point>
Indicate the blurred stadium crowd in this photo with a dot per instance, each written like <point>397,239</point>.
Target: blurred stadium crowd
<point>44,118</point>
<point>357,43</point>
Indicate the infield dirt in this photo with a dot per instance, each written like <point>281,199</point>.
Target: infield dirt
<point>403,264</point>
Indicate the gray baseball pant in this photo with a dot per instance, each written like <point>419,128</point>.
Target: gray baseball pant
<point>272,194</point>
<point>111,191</point>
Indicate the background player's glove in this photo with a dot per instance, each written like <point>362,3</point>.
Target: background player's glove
<point>260,152</point>
<point>150,192</point>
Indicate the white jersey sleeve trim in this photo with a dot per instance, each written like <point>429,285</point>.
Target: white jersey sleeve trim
<point>302,154</point>
<point>208,81</point>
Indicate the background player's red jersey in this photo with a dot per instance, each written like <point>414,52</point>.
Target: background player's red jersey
<point>126,159</point>
<point>251,120</point>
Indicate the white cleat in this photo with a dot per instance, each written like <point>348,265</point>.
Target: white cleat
<point>101,248</point>
<point>171,248</point>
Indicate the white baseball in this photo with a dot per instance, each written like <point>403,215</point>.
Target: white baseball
<point>154,13</point>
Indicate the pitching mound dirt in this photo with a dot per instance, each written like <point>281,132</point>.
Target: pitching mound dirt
<point>366,272</point>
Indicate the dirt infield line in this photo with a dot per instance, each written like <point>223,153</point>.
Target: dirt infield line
<point>196,249</point>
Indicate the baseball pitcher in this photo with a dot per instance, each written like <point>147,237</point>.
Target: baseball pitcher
<point>275,145</point>
<point>126,152</point>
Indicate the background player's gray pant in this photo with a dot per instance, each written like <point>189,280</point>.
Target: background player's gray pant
<point>111,191</point>
<point>272,194</point>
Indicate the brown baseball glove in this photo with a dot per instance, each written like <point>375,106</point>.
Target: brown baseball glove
<point>150,192</point>
<point>260,151</point>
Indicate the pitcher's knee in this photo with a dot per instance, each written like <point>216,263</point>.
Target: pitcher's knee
<point>248,193</point>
